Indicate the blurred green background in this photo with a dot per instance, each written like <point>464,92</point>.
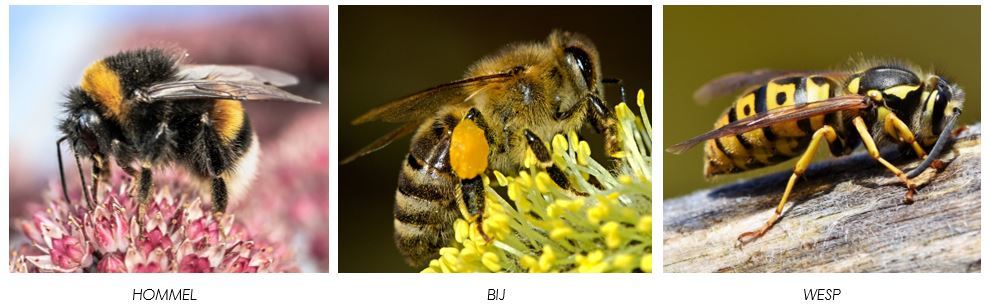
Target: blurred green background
<point>387,52</point>
<point>701,43</point>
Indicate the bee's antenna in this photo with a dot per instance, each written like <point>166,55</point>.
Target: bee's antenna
<point>61,169</point>
<point>620,84</point>
<point>942,140</point>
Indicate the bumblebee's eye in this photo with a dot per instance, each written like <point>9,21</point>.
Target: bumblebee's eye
<point>582,62</point>
<point>88,122</point>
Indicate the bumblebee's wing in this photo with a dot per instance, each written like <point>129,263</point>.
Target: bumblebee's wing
<point>426,102</point>
<point>782,114</point>
<point>222,89</point>
<point>382,141</point>
<point>236,73</point>
<point>734,82</point>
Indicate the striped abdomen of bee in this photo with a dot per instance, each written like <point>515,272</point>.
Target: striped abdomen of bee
<point>781,141</point>
<point>425,204</point>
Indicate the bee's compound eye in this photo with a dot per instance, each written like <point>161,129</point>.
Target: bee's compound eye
<point>582,62</point>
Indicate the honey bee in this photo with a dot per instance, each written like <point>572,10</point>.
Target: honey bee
<point>146,108</point>
<point>506,103</point>
<point>786,114</point>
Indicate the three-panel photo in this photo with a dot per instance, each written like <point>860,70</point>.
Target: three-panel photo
<point>358,139</point>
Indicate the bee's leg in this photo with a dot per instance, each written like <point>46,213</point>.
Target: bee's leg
<point>469,160</point>
<point>899,130</point>
<point>144,184</point>
<point>219,196</point>
<point>870,145</point>
<point>100,173</point>
<point>827,132</point>
<point>545,160</point>
<point>604,123</point>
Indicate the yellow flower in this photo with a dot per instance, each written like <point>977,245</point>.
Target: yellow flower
<point>603,223</point>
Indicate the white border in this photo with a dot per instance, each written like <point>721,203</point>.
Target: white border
<point>410,290</point>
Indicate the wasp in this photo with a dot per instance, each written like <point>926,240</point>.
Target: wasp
<point>786,114</point>
<point>505,105</point>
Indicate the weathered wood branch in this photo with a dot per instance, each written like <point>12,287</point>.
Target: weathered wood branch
<point>845,215</point>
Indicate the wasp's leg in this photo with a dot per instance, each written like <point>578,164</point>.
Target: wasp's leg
<point>469,160</point>
<point>604,123</point>
<point>899,130</point>
<point>826,132</point>
<point>870,145</point>
<point>545,160</point>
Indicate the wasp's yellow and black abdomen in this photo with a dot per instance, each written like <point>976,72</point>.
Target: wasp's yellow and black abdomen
<point>773,144</point>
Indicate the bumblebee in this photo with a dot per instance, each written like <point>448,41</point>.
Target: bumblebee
<point>786,114</point>
<point>506,105</point>
<point>146,108</point>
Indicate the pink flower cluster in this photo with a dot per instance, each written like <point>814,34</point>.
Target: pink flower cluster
<point>177,234</point>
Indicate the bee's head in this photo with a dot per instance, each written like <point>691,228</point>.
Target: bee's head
<point>941,101</point>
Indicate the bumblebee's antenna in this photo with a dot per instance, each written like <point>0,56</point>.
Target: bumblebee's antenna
<point>61,174</point>
<point>61,169</point>
<point>942,140</point>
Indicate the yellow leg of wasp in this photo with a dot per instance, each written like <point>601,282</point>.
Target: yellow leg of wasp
<point>826,132</point>
<point>870,145</point>
<point>895,127</point>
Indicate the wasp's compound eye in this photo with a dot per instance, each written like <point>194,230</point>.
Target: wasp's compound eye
<point>579,59</point>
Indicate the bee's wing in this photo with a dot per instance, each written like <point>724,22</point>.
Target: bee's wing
<point>734,82</point>
<point>222,89</point>
<point>382,141</point>
<point>782,114</point>
<point>236,73</point>
<point>426,102</point>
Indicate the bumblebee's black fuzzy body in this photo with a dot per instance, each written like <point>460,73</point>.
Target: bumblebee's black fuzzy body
<point>107,117</point>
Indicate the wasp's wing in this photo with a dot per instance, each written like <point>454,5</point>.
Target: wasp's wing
<point>222,89</point>
<point>734,82</point>
<point>236,73</point>
<point>426,102</point>
<point>382,141</point>
<point>782,114</point>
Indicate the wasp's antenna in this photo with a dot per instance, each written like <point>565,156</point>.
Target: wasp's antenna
<point>942,140</point>
<point>61,169</point>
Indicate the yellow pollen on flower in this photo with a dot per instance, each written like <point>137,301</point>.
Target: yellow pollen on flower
<point>612,234</point>
<point>560,233</point>
<point>559,145</point>
<point>625,179</point>
<point>529,262</point>
<point>646,263</point>
<point>544,183</point>
<point>583,153</point>
<point>461,230</point>
<point>530,159</point>
<point>598,213</point>
<point>591,263</point>
<point>491,262</point>
<point>644,225</point>
<point>547,259</point>
<point>624,262</point>
<point>502,181</point>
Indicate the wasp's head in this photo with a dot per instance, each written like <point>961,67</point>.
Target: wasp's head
<point>941,100</point>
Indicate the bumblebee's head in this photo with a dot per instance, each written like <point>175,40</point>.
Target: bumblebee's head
<point>84,125</point>
<point>941,101</point>
<point>112,81</point>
